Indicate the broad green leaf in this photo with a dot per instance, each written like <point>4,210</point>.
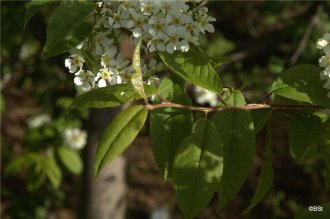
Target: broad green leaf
<point>70,159</point>
<point>53,172</point>
<point>236,130</point>
<point>303,130</point>
<point>264,184</point>
<point>193,66</point>
<point>260,118</point>
<point>169,126</point>
<point>66,28</point>
<point>302,83</point>
<point>32,8</point>
<point>197,168</point>
<point>111,96</point>
<point>235,98</point>
<point>136,78</point>
<point>119,135</point>
<point>311,213</point>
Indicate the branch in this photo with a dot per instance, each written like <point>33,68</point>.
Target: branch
<point>306,35</point>
<point>212,109</point>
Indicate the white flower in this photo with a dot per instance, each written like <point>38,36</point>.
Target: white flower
<point>108,76</point>
<point>325,74</point>
<point>74,138</point>
<point>108,57</point>
<point>38,121</point>
<point>74,63</point>
<point>203,21</point>
<point>85,79</point>
<point>204,96</point>
<point>149,7</point>
<point>324,41</point>
<point>324,61</point>
<point>102,43</point>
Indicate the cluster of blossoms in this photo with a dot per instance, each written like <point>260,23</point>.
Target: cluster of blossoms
<point>324,61</point>
<point>165,25</point>
<point>74,138</point>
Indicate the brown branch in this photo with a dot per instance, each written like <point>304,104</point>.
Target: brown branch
<point>212,109</point>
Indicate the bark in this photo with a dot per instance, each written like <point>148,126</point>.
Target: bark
<point>102,197</point>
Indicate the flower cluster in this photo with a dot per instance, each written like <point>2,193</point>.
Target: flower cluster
<point>324,61</point>
<point>165,25</point>
<point>75,138</point>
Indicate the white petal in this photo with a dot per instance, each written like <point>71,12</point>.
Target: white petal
<point>102,83</point>
<point>77,81</point>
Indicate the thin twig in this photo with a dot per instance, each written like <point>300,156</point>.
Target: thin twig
<point>306,36</point>
<point>212,109</point>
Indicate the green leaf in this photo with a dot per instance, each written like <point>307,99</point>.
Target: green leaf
<point>236,129</point>
<point>311,214</point>
<point>235,98</point>
<point>111,96</point>
<point>32,8</point>
<point>136,78</point>
<point>217,61</point>
<point>66,28</point>
<point>119,135</point>
<point>70,159</point>
<point>198,168</point>
<point>260,118</point>
<point>22,162</point>
<point>264,184</point>
<point>303,130</point>
<point>171,125</point>
<point>53,172</point>
<point>302,83</point>
<point>193,66</point>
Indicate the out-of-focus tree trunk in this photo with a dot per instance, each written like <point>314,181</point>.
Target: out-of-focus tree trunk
<point>102,197</point>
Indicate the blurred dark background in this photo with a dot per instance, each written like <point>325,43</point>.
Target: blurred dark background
<point>259,38</point>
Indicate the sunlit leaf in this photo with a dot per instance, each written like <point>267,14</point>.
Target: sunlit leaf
<point>302,83</point>
<point>110,96</point>
<point>136,78</point>
<point>119,135</point>
<point>193,66</point>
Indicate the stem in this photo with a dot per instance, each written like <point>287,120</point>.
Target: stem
<point>212,109</point>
